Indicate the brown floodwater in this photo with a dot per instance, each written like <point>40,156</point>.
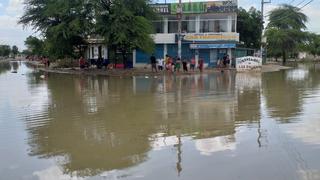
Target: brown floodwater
<point>224,126</point>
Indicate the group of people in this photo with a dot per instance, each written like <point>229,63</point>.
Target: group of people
<point>99,63</point>
<point>224,62</point>
<point>42,59</point>
<point>174,64</point>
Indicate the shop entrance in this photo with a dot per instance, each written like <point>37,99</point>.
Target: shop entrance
<point>213,57</point>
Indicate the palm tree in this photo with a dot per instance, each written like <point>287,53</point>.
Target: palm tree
<point>285,29</point>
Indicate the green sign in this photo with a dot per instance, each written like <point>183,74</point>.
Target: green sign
<point>189,8</point>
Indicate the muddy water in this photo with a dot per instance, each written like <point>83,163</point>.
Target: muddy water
<point>217,126</point>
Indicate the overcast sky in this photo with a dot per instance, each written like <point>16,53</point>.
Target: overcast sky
<point>13,34</point>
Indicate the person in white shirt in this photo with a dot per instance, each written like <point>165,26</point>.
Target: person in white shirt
<point>160,64</point>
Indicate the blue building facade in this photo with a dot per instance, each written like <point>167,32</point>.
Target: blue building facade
<point>208,32</point>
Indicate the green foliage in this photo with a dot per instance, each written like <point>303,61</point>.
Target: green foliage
<point>312,44</point>
<point>14,50</point>
<point>64,24</point>
<point>66,63</point>
<point>249,26</point>
<point>35,45</point>
<point>284,31</point>
<point>129,25</point>
<point>5,50</point>
<point>125,24</point>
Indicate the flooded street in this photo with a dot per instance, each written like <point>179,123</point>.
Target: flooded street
<point>224,126</point>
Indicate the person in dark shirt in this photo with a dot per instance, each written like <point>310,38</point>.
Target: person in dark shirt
<point>153,63</point>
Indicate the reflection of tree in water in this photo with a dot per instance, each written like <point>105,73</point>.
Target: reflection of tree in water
<point>114,136</point>
<point>4,67</point>
<point>15,65</point>
<point>284,96</point>
<point>199,105</point>
<point>248,97</point>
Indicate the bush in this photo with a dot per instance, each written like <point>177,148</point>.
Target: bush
<point>66,63</point>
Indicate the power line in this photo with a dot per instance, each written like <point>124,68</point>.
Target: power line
<point>300,2</point>
<point>283,17</point>
<point>306,4</point>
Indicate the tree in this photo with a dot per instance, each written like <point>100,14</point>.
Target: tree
<point>249,26</point>
<point>284,31</point>
<point>5,50</point>
<point>312,44</point>
<point>126,25</point>
<point>35,46</point>
<point>14,50</point>
<point>63,24</point>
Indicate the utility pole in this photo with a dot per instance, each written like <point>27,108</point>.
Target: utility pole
<point>263,2</point>
<point>179,16</point>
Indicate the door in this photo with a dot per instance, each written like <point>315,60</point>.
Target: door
<point>213,58</point>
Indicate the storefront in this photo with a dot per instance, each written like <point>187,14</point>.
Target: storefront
<point>208,31</point>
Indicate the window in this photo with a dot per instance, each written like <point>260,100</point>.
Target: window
<point>173,26</point>
<point>207,26</point>
<point>158,26</point>
<point>213,23</point>
<point>189,24</point>
<point>233,28</point>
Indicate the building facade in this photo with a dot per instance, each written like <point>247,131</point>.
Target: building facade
<point>208,31</point>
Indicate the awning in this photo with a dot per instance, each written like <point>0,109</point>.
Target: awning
<point>212,46</point>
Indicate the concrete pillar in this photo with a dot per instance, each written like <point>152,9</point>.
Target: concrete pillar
<point>229,23</point>
<point>235,22</point>
<point>165,50</point>
<point>198,24</point>
<point>229,52</point>
<point>106,52</point>
<point>165,25</point>
<point>197,56</point>
<point>134,58</point>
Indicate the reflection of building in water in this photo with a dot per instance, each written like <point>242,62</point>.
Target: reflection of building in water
<point>216,144</point>
<point>114,137</point>
<point>248,87</point>
<point>106,123</point>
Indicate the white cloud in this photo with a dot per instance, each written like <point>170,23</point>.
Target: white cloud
<point>312,11</point>
<point>15,7</point>
<point>217,144</point>
<point>12,33</point>
<point>1,5</point>
<point>8,22</point>
<point>55,173</point>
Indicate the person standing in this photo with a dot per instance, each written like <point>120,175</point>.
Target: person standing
<point>82,63</point>
<point>193,63</point>
<point>201,63</point>
<point>178,65</point>
<point>228,61</point>
<point>225,61</point>
<point>184,65</point>
<point>166,62</point>
<point>153,62</point>
<point>160,64</point>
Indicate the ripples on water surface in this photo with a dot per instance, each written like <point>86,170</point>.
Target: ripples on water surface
<point>216,126</point>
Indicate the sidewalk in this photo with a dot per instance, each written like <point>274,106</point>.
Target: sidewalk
<point>139,71</point>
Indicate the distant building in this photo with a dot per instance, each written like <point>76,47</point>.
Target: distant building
<point>208,32</point>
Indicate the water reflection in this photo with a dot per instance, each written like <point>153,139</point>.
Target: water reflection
<point>110,123</point>
<point>118,128</point>
<point>4,67</point>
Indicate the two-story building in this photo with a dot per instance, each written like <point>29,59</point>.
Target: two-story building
<point>208,32</point>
